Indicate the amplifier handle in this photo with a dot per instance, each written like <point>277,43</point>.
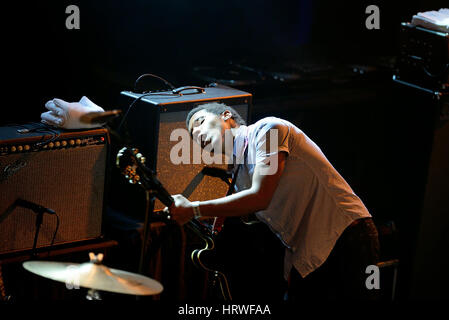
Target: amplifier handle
<point>180,89</point>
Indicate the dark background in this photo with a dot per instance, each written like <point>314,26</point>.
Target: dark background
<point>118,41</point>
<point>373,131</point>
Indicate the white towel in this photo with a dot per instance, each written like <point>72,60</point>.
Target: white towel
<point>434,20</point>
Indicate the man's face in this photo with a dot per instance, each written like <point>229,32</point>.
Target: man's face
<point>207,129</point>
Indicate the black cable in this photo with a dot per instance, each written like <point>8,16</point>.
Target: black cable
<point>139,98</point>
<point>145,94</point>
<point>154,76</point>
<point>40,128</point>
<point>54,133</point>
<point>437,74</point>
<point>54,235</point>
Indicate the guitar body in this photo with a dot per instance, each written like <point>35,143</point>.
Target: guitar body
<point>245,261</point>
<point>207,259</point>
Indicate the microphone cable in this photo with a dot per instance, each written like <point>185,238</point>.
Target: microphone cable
<point>54,234</point>
<point>145,94</point>
<point>138,99</point>
<point>154,76</point>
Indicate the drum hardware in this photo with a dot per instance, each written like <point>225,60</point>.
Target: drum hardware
<point>95,276</point>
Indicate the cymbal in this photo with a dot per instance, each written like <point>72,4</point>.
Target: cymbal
<point>95,276</point>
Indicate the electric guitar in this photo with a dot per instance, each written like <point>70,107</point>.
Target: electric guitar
<point>132,165</point>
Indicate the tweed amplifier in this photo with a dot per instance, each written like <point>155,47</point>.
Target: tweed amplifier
<point>154,117</point>
<point>56,169</point>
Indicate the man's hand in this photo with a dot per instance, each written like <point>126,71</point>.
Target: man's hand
<point>67,114</point>
<point>181,210</point>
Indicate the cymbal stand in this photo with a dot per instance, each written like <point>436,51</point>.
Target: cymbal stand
<point>93,294</point>
<point>149,208</point>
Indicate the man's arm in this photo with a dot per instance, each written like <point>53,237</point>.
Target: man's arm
<point>257,198</point>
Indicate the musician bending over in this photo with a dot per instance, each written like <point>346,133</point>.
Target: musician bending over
<point>285,179</point>
<point>324,236</point>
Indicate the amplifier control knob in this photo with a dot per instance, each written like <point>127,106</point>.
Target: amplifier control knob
<point>26,147</point>
<point>78,142</point>
<point>64,143</point>
<point>13,149</point>
<point>51,145</point>
<point>72,142</point>
<point>19,148</point>
<point>57,144</point>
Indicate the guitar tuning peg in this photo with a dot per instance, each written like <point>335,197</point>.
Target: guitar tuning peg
<point>141,158</point>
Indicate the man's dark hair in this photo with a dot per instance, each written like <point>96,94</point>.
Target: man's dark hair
<point>215,108</point>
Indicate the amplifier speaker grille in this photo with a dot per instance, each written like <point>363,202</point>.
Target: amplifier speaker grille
<point>176,177</point>
<point>67,180</point>
<point>150,124</point>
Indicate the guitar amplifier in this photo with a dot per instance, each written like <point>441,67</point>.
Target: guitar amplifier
<point>423,58</point>
<point>150,123</point>
<point>57,169</point>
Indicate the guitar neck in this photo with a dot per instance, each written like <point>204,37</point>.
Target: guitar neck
<point>199,228</point>
<point>194,224</point>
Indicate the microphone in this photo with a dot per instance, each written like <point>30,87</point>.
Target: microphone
<point>33,206</point>
<point>99,117</point>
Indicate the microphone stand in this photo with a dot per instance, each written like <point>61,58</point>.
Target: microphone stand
<point>39,218</point>
<point>150,197</point>
<point>153,189</point>
<point>149,209</point>
<point>39,210</point>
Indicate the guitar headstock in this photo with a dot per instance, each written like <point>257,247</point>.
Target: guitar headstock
<point>129,160</point>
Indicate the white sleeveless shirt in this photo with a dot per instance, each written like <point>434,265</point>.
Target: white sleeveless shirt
<point>312,204</point>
